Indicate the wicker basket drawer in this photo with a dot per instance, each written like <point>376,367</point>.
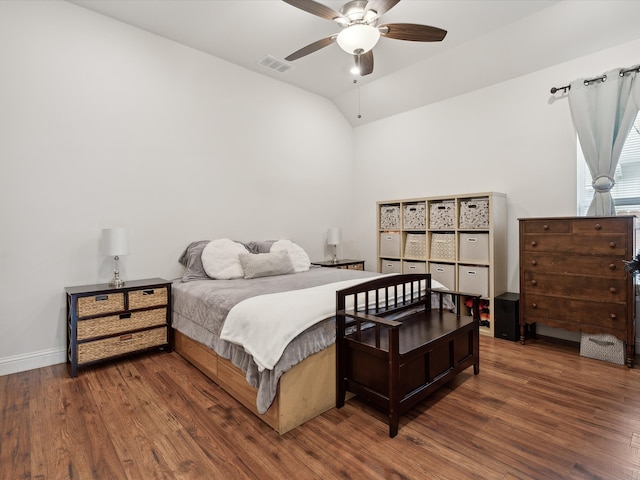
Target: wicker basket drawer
<point>131,342</point>
<point>113,324</point>
<point>147,297</point>
<point>99,304</point>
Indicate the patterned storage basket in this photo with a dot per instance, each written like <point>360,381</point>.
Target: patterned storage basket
<point>443,246</point>
<point>602,346</point>
<point>389,217</point>
<point>442,215</point>
<point>474,213</point>
<point>415,216</point>
<point>415,246</point>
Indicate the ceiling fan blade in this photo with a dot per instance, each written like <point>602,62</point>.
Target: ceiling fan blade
<point>380,6</point>
<point>312,47</point>
<point>315,8</point>
<point>412,32</point>
<point>364,62</point>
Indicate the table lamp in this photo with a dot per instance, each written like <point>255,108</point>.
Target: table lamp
<point>333,238</point>
<point>114,244</point>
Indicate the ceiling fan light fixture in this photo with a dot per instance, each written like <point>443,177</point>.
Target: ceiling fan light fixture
<point>358,37</point>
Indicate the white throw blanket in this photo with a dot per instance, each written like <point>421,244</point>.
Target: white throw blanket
<point>264,325</point>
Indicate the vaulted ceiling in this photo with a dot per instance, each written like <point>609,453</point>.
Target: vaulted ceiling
<point>488,41</point>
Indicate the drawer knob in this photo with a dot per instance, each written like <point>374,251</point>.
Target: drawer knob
<point>533,262</point>
<point>534,305</point>
<point>534,243</point>
<point>598,226</point>
<point>612,266</point>
<point>613,316</point>
<point>612,244</point>
<point>534,283</point>
<point>613,290</point>
<point>545,227</point>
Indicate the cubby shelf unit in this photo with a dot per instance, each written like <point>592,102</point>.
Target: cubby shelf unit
<point>460,239</point>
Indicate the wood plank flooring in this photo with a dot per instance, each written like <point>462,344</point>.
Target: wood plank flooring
<point>538,411</point>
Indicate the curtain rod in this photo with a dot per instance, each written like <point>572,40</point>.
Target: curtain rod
<point>589,81</point>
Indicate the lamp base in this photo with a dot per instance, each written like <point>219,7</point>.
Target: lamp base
<point>116,281</point>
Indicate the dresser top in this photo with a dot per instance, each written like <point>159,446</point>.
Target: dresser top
<point>576,218</point>
<point>105,287</point>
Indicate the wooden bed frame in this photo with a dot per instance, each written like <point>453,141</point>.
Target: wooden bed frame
<point>304,392</point>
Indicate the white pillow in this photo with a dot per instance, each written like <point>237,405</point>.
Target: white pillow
<point>256,265</point>
<point>299,258</point>
<point>221,259</point>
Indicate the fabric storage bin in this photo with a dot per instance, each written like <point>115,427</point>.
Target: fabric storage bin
<point>414,267</point>
<point>473,279</point>
<point>415,245</point>
<point>390,266</point>
<point>474,247</point>
<point>415,216</point>
<point>474,213</point>
<point>389,217</point>
<point>390,244</point>
<point>443,246</point>
<point>602,346</point>
<point>445,273</point>
<point>442,215</point>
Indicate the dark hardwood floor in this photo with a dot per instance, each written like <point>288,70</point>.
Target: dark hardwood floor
<point>538,411</point>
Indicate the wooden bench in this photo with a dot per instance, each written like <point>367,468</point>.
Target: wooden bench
<point>394,349</point>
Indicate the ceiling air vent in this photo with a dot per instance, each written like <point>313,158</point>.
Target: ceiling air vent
<point>272,63</point>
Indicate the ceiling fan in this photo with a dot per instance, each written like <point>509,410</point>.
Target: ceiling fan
<point>360,29</point>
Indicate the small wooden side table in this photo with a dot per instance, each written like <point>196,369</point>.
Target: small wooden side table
<point>347,264</point>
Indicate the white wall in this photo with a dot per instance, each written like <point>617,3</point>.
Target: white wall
<point>514,137</point>
<point>105,125</point>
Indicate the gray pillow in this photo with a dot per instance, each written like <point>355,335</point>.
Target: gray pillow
<point>263,246</point>
<point>256,265</point>
<point>192,259</point>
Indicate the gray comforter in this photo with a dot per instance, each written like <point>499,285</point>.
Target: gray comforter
<point>200,308</point>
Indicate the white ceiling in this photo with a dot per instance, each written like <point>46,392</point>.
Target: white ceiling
<point>488,41</point>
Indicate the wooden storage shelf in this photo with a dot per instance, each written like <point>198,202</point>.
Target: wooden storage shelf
<point>461,238</point>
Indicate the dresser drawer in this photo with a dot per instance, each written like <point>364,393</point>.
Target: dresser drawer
<point>584,315</point>
<point>147,297</point>
<point>127,343</point>
<point>585,265</point>
<point>603,289</point>
<point>601,244</point>
<point>599,225</point>
<point>125,322</point>
<point>100,304</point>
<point>547,226</point>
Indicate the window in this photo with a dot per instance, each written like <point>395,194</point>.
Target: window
<point>626,191</point>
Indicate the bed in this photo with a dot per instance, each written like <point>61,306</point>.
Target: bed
<point>301,383</point>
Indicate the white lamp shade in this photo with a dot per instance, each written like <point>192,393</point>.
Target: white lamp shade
<point>333,236</point>
<point>114,241</point>
<point>358,37</point>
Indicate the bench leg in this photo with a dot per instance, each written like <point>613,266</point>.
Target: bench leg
<point>394,382</point>
<point>393,423</point>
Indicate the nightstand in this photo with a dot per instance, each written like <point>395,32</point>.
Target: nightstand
<point>105,322</point>
<point>348,264</point>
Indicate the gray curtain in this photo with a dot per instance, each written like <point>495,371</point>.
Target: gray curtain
<point>603,112</point>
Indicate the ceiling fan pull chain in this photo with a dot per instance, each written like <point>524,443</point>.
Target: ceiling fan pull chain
<point>359,116</point>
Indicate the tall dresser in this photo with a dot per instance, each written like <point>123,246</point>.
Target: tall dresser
<point>572,276</point>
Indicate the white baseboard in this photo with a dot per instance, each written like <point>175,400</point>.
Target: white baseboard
<point>29,361</point>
